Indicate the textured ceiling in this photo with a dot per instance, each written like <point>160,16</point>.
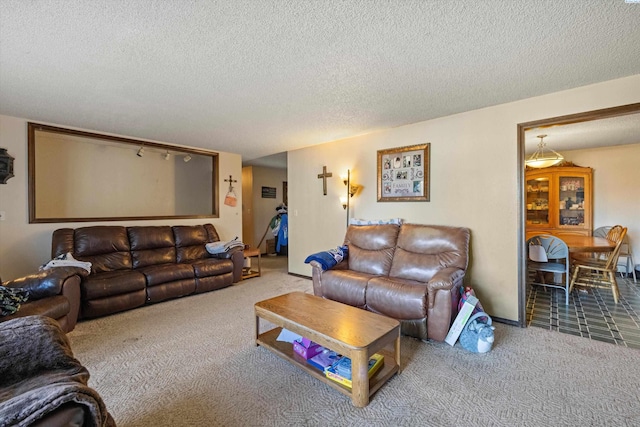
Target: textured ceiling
<point>260,77</point>
<point>611,131</point>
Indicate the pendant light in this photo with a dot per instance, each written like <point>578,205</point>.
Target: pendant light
<point>543,158</point>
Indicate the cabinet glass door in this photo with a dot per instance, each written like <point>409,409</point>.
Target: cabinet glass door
<point>571,203</point>
<point>538,201</point>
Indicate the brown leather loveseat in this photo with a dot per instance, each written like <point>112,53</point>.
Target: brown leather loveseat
<point>409,272</point>
<point>134,266</point>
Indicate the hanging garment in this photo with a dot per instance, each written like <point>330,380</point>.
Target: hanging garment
<point>283,232</point>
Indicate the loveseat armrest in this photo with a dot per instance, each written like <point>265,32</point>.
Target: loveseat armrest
<point>443,294</point>
<point>317,270</point>
<point>446,279</point>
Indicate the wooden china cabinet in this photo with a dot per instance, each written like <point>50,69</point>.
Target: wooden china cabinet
<point>559,200</point>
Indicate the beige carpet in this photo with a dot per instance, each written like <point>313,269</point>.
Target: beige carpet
<point>192,362</point>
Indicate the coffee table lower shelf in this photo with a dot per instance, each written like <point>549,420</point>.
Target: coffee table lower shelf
<point>285,350</point>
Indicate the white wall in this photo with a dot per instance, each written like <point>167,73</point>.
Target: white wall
<point>616,187</point>
<point>24,246</point>
<point>474,183</point>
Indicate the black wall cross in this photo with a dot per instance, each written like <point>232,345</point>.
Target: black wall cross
<point>323,176</point>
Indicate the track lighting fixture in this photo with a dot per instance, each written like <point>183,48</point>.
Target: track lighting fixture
<point>140,152</point>
<point>187,158</point>
<point>166,155</point>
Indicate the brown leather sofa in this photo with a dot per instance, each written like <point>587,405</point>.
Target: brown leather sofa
<point>409,272</point>
<point>134,266</point>
<point>54,293</point>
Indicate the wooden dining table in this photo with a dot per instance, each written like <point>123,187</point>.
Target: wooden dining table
<point>578,243</point>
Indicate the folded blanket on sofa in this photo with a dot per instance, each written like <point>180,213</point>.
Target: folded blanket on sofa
<point>330,258</point>
<point>11,299</point>
<point>38,374</point>
<point>215,248</point>
<point>66,260</point>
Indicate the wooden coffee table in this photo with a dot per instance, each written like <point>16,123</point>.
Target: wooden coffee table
<point>350,331</point>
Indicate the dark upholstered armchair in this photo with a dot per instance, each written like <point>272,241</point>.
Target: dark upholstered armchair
<point>54,293</point>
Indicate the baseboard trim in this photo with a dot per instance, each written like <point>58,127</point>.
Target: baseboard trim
<point>507,321</point>
<point>299,275</point>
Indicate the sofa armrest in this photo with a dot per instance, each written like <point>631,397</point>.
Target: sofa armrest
<point>443,294</point>
<point>63,281</point>
<point>446,279</point>
<point>316,274</point>
<point>71,290</point>
<point>46,283</point>
<point>236,255</point>
<point>316,277</point>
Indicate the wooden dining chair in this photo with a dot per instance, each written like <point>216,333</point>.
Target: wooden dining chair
<point>608,232</point>
<point>600,271</point>
<point>628,263</point>
<point>548,254</point>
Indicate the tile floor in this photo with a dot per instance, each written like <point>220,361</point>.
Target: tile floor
<point>591,313</point>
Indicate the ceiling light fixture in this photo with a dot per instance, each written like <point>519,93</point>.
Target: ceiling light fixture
<point>140,152</point>
<point>542,158</point>
<point>187,158</point>
<point>166,155</point>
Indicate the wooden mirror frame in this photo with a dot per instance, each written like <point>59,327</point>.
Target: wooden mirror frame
<point>522,128</point>
<point>113,140</point>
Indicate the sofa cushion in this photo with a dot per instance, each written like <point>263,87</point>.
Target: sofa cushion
<point>397,298</point>
<point>113,303</point>
<point>158,274</point>
<point>211,267</point>
<point>54,307</point>
<point>423,250</point>
<point>371,247</point>
<point>346,286</point>
<point>169,290</point>
<point>111,283</point>
<point>105,247</point>
<point>151,245</point>
<point>190,242</point>
<point>206,284</point>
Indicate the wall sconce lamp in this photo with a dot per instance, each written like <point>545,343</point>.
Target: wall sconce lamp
<point>140,152</point>
<point>187,158</point>
<point>352,189</point>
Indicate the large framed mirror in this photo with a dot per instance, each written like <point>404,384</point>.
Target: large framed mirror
<point>77,176</point>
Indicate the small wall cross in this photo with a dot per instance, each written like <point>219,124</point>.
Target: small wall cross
<point>323,176</point>
<point>230,181</point>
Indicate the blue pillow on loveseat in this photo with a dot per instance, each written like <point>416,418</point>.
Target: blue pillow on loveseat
<point>330,258</point>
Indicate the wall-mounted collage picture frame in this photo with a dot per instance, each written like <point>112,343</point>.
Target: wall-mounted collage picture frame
<point>403,174</point>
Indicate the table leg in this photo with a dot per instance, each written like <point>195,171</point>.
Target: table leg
<point>359,378</point>
<point>397,348</point>
<point>257,331</point>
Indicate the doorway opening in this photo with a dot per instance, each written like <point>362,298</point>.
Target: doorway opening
<point>601,139</point>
